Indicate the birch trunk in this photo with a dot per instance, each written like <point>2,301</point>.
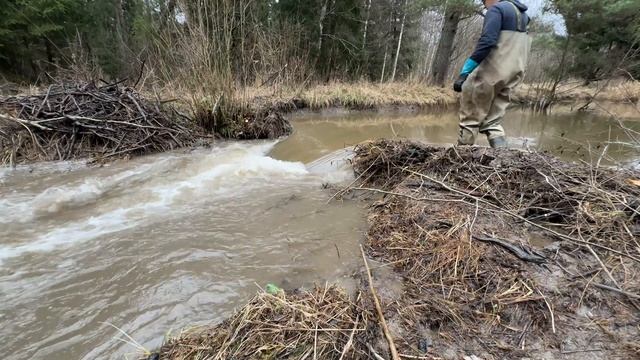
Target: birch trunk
<point>363,50</point>
<point>384,63</point>
<point>395,61</point>
<point>323,14</point>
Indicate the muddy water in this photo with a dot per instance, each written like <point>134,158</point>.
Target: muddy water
<point>159,243</point>
<point>570,135</point>
<point>162,242</point>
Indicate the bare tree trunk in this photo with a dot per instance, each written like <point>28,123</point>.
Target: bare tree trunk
<point>323,14</point>
<point>330,60</point>
<point>440,66</point>
<point>395,61</point>
<point>47,46</point>
<point>123,34</point>
<point>363,50</point>
<point>384,63</point>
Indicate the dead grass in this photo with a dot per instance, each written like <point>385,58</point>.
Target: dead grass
<point>320,324</point>
<point>360,95</point>
<point>245,113</point>
<point>575,92</point>
<point>372,95</point>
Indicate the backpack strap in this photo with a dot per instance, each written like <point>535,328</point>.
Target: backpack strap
<point>520,24</point>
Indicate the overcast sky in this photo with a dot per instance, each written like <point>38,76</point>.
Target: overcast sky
<point>535,9</point>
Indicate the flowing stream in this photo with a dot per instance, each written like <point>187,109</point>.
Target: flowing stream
<point>163,242</point>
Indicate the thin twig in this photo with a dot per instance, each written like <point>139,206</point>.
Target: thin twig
<point>347,346</point>
<point>405,195</point>
<point>383,323</point>
<point>553,318</point>
<point>622,292</point>
<point>603,266</point>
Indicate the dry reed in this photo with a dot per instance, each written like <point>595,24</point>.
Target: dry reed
<point>320,324</point>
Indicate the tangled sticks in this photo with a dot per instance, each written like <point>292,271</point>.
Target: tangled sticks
<point>586,204</point>
<point>503,252</point>
<point>85,120</point>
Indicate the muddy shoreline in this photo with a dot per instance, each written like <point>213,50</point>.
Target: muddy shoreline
<point>468,291</point>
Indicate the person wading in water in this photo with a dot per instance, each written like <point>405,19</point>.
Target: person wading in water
<point>496,66</point>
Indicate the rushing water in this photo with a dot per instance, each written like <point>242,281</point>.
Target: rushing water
<point>162,242</point>
<point>159,243</point>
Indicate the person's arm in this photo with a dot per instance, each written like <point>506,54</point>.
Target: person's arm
<point>488,40</point>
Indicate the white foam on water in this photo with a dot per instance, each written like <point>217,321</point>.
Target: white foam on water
<point>70,234</point>
<point>334,167</point>
<point>174,183</point>
<point>27,207</point>
<point>227,171</point>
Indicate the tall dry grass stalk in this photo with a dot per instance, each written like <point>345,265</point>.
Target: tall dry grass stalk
<point>213,49</point>
<point>365,95</point>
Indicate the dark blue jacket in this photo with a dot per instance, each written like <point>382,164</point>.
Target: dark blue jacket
<point>500,17</point>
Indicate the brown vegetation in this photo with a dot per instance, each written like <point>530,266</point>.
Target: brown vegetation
<point>373,96</point>
<point>232,116</point>
<point>70,121</point>
<point>247,113</point>
<point>466,227</point>
<point>578,94</point>
<point>320,324</point>
<point>83,120</point>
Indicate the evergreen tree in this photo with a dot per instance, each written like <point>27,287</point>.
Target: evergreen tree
<point>600,31</point>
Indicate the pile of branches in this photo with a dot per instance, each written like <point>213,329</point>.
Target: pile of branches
<point>70,121</point>
<point>588,203</point>
<point>456,223</point>
<point>320,324</point>
<point>235,119</point>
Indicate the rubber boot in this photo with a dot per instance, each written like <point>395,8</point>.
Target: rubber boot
<point>498,142</point>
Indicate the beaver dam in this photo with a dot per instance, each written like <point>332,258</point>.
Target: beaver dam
<point>499,253</point>
<point>101,122</point>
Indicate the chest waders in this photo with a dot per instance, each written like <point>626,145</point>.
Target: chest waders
<point>486,93</point>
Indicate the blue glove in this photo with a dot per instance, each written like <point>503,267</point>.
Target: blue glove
<point>469,66</point>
